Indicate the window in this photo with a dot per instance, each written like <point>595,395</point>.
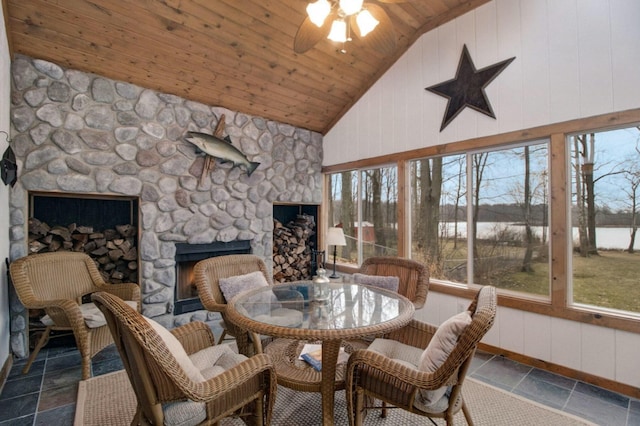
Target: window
<point>503,239</point>
<point>605,176</point>
<point>364,204</point>
<point>549,215</point>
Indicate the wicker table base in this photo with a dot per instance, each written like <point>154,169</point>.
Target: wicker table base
<point>297,374</point>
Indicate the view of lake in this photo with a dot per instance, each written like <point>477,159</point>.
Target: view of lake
<point>607,238</point>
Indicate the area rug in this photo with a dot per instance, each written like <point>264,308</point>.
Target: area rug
<point>109,400</point>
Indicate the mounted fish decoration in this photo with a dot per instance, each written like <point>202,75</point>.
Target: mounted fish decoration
<point>222,150</point>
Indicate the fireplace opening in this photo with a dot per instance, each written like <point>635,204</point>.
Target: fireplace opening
<point>187,255</point>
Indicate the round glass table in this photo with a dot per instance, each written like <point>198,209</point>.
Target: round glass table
<point>333,314</point>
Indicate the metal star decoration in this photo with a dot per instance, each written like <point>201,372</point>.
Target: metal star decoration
<point>467,88</point>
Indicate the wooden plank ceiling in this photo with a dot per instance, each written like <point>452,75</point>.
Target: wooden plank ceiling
<point>237,54</point>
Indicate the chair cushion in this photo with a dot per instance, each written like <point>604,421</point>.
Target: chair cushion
<point>184,413</point>
<point>232,286</point>
<point>177,350</point>
<point>210,362</point>
<point>93,317</point>
<point>400,352</point>
<point>216,359</point>
<point>436,353</point>
<point>389,283</point>
<point>283,317</point>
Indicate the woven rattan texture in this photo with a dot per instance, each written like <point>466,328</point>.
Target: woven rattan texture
<point>56,282</point>
<point>414,276</point>
<point>374,375</point>
<point>207,275</point>
<point>157,378</point>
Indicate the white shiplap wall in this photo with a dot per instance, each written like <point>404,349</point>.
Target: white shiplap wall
<point>571,62</point>
<point>5,98</point>
<point>612,354</point>
<point>574,59</point>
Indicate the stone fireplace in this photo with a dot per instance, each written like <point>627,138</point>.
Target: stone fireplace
<point>80,133</point>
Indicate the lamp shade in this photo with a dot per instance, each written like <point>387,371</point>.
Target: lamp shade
<point>335,237</point>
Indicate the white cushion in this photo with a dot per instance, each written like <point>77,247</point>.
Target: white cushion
<point>184,413</point>
<point>93,316</point>
<point>436,353</point>
<point>232,286</point>
<point>405,354</point>
<point>389,283</point>
<point>215,359</point>
<point>210,362</point>
<point>283,317</point>
<point>177,350</point>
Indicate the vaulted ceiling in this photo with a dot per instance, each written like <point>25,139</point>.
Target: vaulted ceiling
<point>237,54</point>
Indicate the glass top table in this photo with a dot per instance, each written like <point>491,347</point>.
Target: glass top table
<point>332,314</point>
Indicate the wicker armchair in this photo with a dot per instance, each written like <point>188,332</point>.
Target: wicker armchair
<point>226,383</point>
<point>207,275</point>
<point>397,382</point>
<point>414,276</point>
<point>57,283</point>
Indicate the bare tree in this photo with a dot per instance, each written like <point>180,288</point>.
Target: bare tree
<point>429,218</point>
<point>376,209</point>
<point>347,213</point>
<point>479,164</point>
<point>526,207</point>
<point>460,194</point>
<point>632,176</point>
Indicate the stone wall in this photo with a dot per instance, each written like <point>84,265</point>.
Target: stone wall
<point>74,132</point>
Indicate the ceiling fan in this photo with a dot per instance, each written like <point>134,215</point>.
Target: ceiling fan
<point>339,20</point>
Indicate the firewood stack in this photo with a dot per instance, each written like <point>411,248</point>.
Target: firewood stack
<point>114,250</point>
<point>292,249</point>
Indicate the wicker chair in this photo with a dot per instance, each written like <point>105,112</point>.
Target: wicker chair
<point>207,275</point>
<point>372,375</point>
<point>57,283</point>
<point>414,276</point>
<point>167,392</point>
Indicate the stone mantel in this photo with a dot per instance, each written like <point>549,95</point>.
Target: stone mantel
<point>82,133</point>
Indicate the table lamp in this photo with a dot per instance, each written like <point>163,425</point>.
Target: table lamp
<point>335,238</point>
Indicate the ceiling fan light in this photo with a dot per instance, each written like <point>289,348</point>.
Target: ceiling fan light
<point>366,22</point>
<point>349,7</point>
<point>338,31</point>
<point>318,11</point>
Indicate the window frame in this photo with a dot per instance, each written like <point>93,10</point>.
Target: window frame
<point>359,209</point>
<point>559,220</point>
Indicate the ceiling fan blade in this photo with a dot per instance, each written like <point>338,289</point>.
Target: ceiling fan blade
<point>309,34</point>
<point>383,37</point>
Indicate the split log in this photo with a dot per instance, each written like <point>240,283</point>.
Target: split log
<point>113,250</point>
<point>293,248</point>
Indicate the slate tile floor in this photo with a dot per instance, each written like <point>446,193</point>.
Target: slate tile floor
<point>47,394</point>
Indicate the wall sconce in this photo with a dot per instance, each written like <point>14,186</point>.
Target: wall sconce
<point>8,165</point>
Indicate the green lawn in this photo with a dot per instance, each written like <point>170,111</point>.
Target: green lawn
<point>610,280</point>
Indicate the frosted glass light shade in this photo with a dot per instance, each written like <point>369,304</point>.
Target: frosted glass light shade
<point>338,31</point>
<point>318,11</point>
<point>349,7</point>
<point>366,22</point>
